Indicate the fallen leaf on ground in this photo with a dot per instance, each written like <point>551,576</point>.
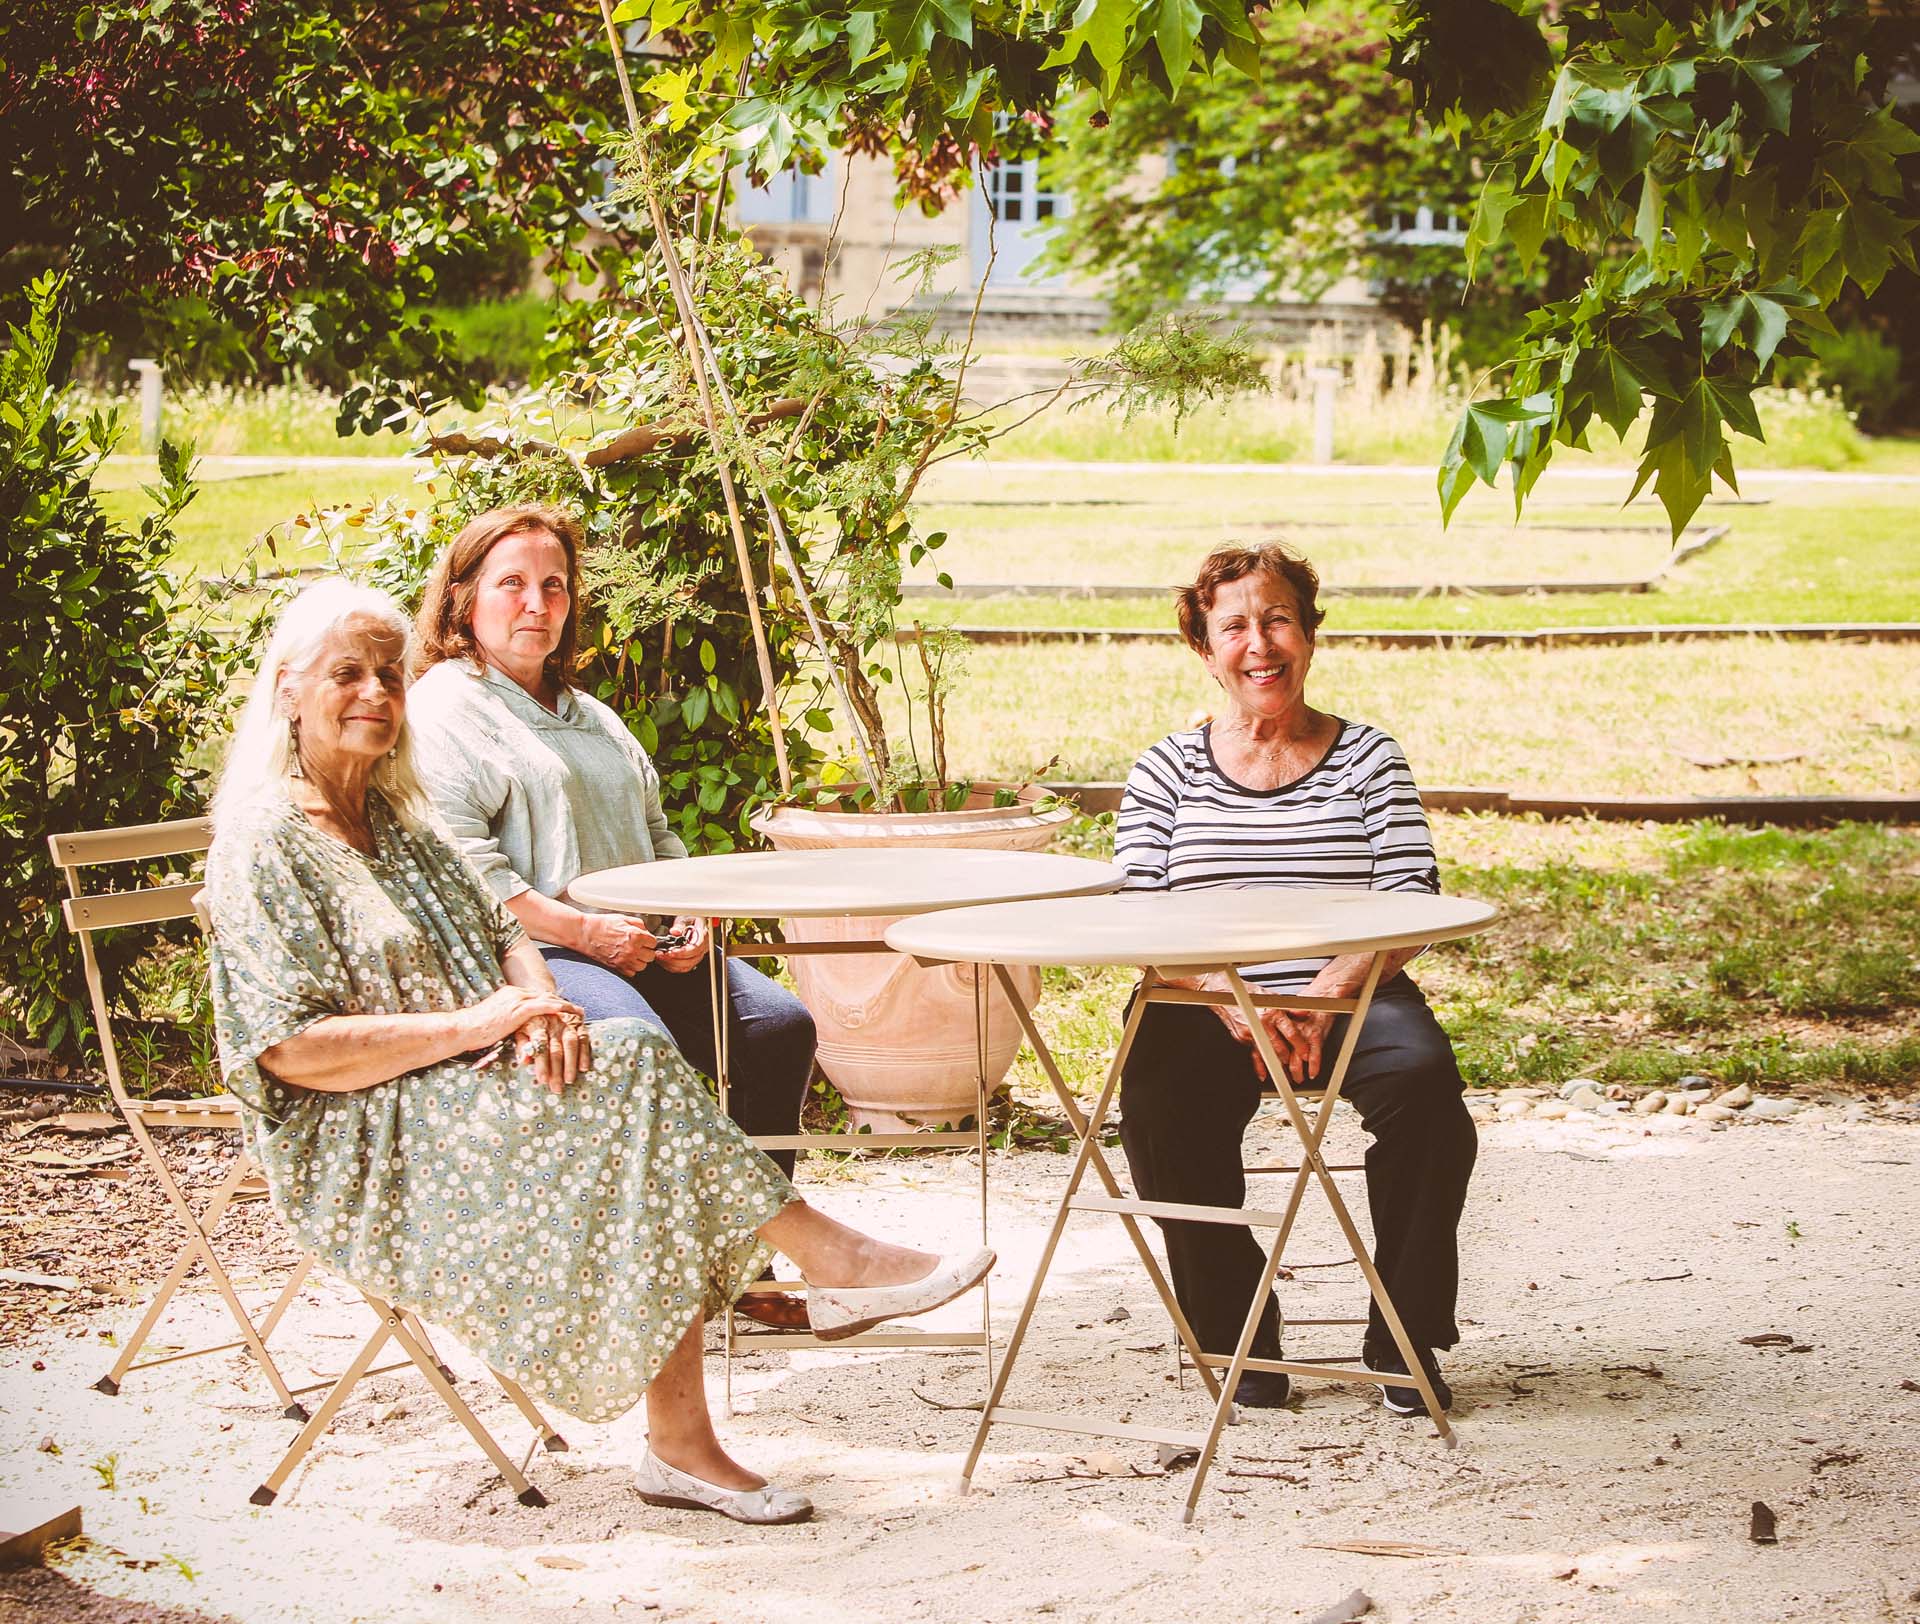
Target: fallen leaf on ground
<point>1762,1527</point>
<point>85,1122</point>
<point>47,1282</point>
<point>555,1559</point>
<point>1173,1455</point>
<point>1768,1339</point>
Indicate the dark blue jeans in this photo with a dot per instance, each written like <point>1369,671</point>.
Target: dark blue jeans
<point>1188,1092</point>
<point>769,1032</point>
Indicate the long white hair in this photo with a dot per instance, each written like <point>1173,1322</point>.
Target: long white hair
<point>260,758</point>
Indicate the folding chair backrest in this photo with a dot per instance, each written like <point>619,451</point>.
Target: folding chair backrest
<point>87,911</point>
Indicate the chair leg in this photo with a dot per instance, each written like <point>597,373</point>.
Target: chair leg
<point>323,1417</point>
<point>550,1440</point>
<point>199,1249</point>
<point>394,1324</point>
<point>420,1332</point>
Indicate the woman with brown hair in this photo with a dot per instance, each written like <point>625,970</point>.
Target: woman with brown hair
<point>539,783</point>
<point>1272,792</point>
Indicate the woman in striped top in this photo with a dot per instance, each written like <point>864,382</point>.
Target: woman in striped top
<point>1274,792</point>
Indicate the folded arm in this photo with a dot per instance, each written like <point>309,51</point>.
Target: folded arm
<point>340,1054</point>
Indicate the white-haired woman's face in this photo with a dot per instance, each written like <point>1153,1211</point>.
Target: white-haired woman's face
<point>352,697</point>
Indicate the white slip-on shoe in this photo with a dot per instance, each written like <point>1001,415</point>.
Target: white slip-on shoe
<point>663,1485</point>
<point>842,1311</point>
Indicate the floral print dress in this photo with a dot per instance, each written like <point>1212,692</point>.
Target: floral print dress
<point>568,1240</point>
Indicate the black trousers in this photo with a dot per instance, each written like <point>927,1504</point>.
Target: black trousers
<point>1188,1092</point>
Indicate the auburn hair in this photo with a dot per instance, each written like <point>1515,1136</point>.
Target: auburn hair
<point>443,629</point>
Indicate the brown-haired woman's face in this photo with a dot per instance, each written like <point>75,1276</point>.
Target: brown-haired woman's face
<point>521,602</point>
<point>1257,648</point>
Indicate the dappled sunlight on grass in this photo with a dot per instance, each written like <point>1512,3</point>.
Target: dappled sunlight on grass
<point>1607,720</point>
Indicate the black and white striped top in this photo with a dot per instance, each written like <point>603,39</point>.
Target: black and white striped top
<point>1354,819</point>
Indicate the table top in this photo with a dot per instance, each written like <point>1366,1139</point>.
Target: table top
<point>1185,929</point>
<point>826,884</point>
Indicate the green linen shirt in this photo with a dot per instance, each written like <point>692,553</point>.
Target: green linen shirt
<point>534,798</point>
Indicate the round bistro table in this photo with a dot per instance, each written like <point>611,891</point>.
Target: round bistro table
<point>845,884</point>
<point>1169,934</point>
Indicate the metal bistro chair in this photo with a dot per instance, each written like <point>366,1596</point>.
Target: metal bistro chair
<point>87,912</point>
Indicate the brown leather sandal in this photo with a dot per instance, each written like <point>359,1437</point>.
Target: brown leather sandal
<point>778,1310</point>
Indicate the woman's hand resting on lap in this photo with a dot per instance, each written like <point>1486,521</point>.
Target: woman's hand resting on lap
<point>555,1049</point>
<point>549,1033</point>
<point>1299,1037</point>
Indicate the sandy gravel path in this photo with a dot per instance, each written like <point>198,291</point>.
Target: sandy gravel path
<point>1616,1429</point>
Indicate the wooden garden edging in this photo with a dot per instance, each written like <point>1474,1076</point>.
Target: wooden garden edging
<point>1786,811</point>
<point>1896,631</point>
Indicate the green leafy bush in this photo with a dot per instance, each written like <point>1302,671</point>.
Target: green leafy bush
<point>1865,368</point>
<point>501,341</point>
<point>110,679</point>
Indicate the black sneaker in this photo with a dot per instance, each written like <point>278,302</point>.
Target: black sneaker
<point>1263,1389</point>
<point>1407,1400</point>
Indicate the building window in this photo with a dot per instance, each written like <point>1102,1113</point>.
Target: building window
<point>789,198</point>
<point>1421,226</point>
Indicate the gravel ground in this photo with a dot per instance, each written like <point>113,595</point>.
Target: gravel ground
<point>1617,1417</point>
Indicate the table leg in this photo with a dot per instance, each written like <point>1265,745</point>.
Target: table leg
<point>1088,1155</point>
<point>722,1077</point>
<point>1101,1167</point>
<point>1313,1164</point>
<point>982,1033</point>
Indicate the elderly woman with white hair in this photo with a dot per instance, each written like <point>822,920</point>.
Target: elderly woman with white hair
<point>442,1127</point>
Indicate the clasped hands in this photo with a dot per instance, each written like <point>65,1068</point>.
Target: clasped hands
<point>1299,1035</point>
<point>624,943</point>
<point>548,1033</point>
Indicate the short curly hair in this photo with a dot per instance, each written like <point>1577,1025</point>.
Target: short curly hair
<point>1226,564</point>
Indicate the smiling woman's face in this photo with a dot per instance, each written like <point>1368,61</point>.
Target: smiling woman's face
<point>350,701</point>
<point>1257,649</point>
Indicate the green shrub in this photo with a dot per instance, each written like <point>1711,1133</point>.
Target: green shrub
<point>1865,368</point>
<point>1859,365</point>
<point>109,680</point>
<point>501,341</point>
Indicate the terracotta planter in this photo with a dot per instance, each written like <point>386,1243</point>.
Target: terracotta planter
<point>897,1040</point>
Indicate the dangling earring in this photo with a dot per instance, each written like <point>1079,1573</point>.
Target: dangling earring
<point>293,748</point>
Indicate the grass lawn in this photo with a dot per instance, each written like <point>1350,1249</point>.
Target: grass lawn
<point>1628,953</point>
<point>1606,721</point>
<point>232,511</point>
<point>1638,954</point>
<point>1803,552</point>
<point>1407,426</point>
